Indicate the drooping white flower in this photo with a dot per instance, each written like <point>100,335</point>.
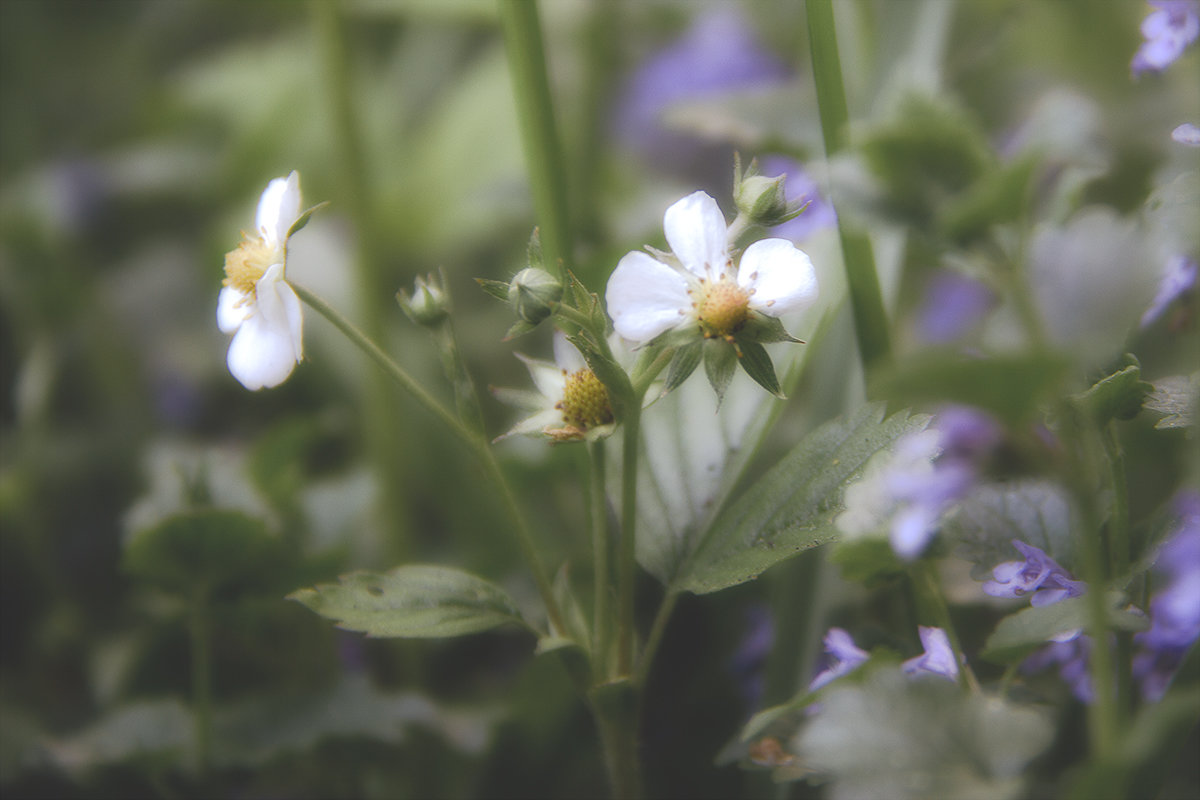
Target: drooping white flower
<point>571,404</point>
<point>647,296</point>
<point>256,304</point>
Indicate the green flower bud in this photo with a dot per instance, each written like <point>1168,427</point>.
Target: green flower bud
<point>762,201</point>
<point>428,306</point>
<point>533,294</point>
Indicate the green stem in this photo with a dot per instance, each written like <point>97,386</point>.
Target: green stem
<point>539,134</point>
<point>870,319</point>
<point>931,604</point>
<point>601,578</point>
<point>476,441</point>
<point>201,646</point>
<point>1118,523</point>
<point>654,639</point>
<point>627,552</point>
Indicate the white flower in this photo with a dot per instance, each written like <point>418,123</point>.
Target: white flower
<point>570,404</point>
<point>647,297</point>
<point>256,304</point>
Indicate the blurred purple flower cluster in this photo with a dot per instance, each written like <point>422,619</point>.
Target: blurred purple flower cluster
<point>1168,30</point>
<point>844,656</point>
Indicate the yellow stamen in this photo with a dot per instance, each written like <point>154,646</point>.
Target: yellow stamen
<point>585,401</point>
<point>723,308</point>
<point>245,265</point>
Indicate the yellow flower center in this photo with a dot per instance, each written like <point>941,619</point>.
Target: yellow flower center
<point>585,401</point>
<point>723,308</point>
<point>246,265</point>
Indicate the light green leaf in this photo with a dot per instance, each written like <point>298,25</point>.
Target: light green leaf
<point>1020,633</point>
<point>414,601</point>
<point>792,507</point>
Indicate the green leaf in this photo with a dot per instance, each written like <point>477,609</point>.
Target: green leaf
<point>985,523</point>
<point>999,196</point>
<point>793,506</point>
<point>720,362</point>
<point>868,560</point>
<point>757,363</point>
<point>683,364</point>
<point>1020,633</point>
<point>1011,387</point>
<point>204,548</point>
<point>414,601</point>
<point>1115,396</point>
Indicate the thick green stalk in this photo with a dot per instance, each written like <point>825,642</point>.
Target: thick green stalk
<point>627,552</point>
<point>870,319</point>
<point>475,440</point>
<point>539,134</point>
<point>600,576</point>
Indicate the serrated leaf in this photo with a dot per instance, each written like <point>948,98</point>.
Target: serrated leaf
<point>792,507</point>
<point>720,362</point>
<point>207,547</point>
<point>984,524</point>
<point>1020,633</point>
<point>414,601</point>
<point>1011,387</point>
<point>757,364</point>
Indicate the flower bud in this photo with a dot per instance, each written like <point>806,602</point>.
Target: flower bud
<point>533,294</point>
<point>762,200</point>
<point>428,306</point>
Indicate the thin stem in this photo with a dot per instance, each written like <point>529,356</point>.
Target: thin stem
<point>931,603</point>
<point>1118,522</point>
<point>870,319</point>
<point>476,441</point>
<point>539,134</point>
<point>599,525</point>
<point>201,646</point>
<point>654,639</point>
<point>626,555</point>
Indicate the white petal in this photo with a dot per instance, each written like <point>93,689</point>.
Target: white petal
<point>695,229</point>
<point>567,355</point>
<point>645,297</point>
<point>230,315</point>
<point>278,208</point>
<point>547,377</point>
<point>780,276</point>
<point>269,342</point>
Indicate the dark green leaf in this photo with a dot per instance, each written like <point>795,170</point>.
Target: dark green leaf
<point>413,601</point>
<point>793,506</point>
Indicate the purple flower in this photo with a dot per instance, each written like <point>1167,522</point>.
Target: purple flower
<point>1187,133</point>
<point>1179,279</point>
<point>953,305</point>
<point>1168,30</point>
<point>718,53</point>
<point>1175,610</point>
<point>799,187</point>
<point>938,658</point>
<point>966,439</point>
<point>1071,658</point>
<point>1038,573</point>
<point>844,658</point>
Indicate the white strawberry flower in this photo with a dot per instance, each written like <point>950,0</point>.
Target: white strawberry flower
<point>256,304</point>
<point>700,286</point>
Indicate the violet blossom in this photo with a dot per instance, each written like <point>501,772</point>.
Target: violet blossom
<point>1178,280</point>
<point>1038,574</point>
<point>938,658</point>
<point>1168,31</point>
<point>844,658</point>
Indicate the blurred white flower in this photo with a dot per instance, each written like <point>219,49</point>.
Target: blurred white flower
<point>256,304</point>
<point>648,296</point>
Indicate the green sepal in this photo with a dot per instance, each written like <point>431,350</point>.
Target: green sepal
<point>1116,396</point>
<point>497,289</point>
<point>720,362</point>
<point>519,328</point>
<point>757,364</point>
<point>418,601</point>
<point>765,330</point>
<point>683,364</point>
<point>304,217</point>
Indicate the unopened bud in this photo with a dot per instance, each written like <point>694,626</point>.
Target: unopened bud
<point>762,200</point>
<point>428,305</point>
<point>533,294</point>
